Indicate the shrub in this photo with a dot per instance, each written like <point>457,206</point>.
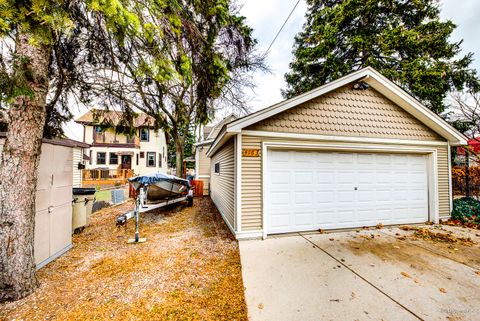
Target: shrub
<point>466,209</point>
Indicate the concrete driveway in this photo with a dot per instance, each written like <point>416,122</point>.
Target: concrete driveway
<point>379,274</point>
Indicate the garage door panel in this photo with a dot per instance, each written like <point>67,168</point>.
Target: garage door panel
<point>312,190</point>
<point>325,177</point>
<point>304,198</point>
<point>304,218</point>
<point>345,197</point>
<point>344,177</point>
<point>280,198</point>
<point>303,177</point>
<point>279,177</point>
<point>324,197</point>
<point>280,221</point>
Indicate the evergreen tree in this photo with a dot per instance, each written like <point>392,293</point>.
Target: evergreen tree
<point>404,40</point>
<point>29,37</point>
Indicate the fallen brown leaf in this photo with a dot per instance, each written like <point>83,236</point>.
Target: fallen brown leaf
<point>443,290</point>
<point>405,274</point>
<point>184,271</point>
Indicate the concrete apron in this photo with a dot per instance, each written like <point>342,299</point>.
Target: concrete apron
<point>355,277</point>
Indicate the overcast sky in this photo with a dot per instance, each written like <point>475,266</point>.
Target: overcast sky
<point>267,16</point>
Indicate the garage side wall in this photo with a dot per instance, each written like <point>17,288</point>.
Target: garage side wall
<point>252,181</point>
<point>222,184</point>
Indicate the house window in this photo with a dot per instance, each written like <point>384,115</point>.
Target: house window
<point>137,159</point>
<point>142,154</point>
<point>144,134</point>
<point>217,168</point>
<point>98,130</point>
<point>151,159</point>
<point>101,158</point>
<point>159,160</point>
<point>113,159</point>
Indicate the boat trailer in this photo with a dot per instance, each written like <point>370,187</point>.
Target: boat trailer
<point>141,206</point>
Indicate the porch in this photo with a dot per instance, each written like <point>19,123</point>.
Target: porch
<point>103,177</point>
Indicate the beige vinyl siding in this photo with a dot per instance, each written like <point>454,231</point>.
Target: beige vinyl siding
<point>204,161</point>
<point>251,186</point>
<point>349,112</point>
<point>252,180</point>
<point>204,167</point>
<point>443,182</point>
<point>223,185</point>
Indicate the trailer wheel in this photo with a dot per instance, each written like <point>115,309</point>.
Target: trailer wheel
<point>190,201</point>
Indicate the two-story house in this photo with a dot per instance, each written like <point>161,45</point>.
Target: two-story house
<point>144,153</point>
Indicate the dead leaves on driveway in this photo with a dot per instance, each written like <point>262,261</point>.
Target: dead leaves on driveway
<point>429,234</point>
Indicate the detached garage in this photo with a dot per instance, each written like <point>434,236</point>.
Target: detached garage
<point>358,151</point>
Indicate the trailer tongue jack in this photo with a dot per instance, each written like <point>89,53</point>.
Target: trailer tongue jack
<point>136,212</point>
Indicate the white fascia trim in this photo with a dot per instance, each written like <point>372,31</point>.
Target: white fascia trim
<point>205,142</point>
<point>249,235</point>
<point>432,168</point>
<point>374,79</point>
<point>342,138</point>
<point>412,106</point>
<point>222,138</point>
<point>238,182</point>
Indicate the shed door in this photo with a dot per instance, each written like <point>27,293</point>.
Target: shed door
<point>53,218</point>
<point>310,190</point>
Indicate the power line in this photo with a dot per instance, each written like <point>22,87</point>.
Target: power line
<point>281,28</point>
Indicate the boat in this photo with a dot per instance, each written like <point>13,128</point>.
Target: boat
<point>160,187</point>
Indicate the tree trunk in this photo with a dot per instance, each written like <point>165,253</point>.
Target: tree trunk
<point>18,170</point>
<point>179,153</point>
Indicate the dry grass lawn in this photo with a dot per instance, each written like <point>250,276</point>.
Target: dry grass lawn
<point>189,269</point>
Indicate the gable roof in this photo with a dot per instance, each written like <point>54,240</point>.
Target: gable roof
<point>368,75</point>
<point>113,117</point>
<point>217,127</point>
<point>210,132</point>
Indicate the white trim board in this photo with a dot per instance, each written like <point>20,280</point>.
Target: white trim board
<point>433,197</point>
<point>249,235</point>
<point>353,139</point>
<point>372,78</point>
<point>238,182</point>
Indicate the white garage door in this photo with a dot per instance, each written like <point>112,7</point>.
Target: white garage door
<point>311,190</point>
